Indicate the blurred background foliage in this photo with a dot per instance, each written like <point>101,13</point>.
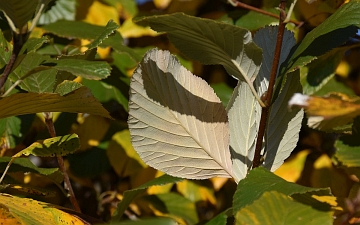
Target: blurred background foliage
<point>107,165</point>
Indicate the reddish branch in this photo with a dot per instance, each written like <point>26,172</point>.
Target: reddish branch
<point>252,8</point>
<point>50,126</point>
<point>269,93</point>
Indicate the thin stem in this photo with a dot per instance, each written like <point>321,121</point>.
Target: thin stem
<point>275,65</point>
<point>37,17</point>
<point>252,8</point>
<point>51,128</point>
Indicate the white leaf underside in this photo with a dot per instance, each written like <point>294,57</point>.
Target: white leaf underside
<point>242,112</point>
<point>177,123</point>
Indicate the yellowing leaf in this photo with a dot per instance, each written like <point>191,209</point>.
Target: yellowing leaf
<point>326,113</point>
<point>88,136</point>
<point>291,169</point>
<point>28,211</point>
<point>195,192</point>
<point>100,14</point>
<point>130,30</point>
<point>123,158</point>
<point>161,4</point>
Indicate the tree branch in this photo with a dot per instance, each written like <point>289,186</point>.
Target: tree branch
<point>269,93</point>
<point>50,126</point>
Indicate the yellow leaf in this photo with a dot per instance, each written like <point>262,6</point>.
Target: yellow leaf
<point>92,131</point>
<point>292,168</point>
<point>123,157</point>
<point>100,14</point>
<point>159,189</point>
<point>130,30</point>
<point>161,4</point>
<point>195,192</point>
<point>218,182</point>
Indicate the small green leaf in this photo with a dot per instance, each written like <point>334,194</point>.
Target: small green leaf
<point>333,32</point>
<point>223,91</point>
<point>33,44</point>
<point>60,9</point>
<point>277,208</point>
<point>175,205</point>
<point>253,20</point>
<point>12,130</point>
<point>5,50</point>
<point>95,70</point>
<point>66,87</point>
<point>110,28</point>
<point>130,195</point>
<point>80,100</point>
<point>260,180</point>
<point>57,146</point>
<point>19,11</point>
<point>210,42</point>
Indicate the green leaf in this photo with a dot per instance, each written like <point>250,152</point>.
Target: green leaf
<point>34,78</point>
<point>175,205</point>
<point>60,9</point>
<point>80,100</point>
<point>177,123</point>
<point>12,129</point>
<point>25,165</point>
<point>130,195</point>
<point>333,32</point>
<point>277,208</point>
<point>130,7</point>
<point>348,147</point>
<point>5,50</point>
<point>66,87</point>
<point>220,219</point>
<point>260,180</point>
<point>244,117</point>
<point>253,20</point>
<point>157,221</point>
<point>95,70</point>
<point>320,71</point>
<point>210,42</point>
<point>223,91</point>
<point>33,44</point>
<point>57,146</point>
<point>110,28</point>
<point>19,11</point>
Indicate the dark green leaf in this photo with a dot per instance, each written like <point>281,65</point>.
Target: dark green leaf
<point>80,100</point>
<point>210,42</point>
<point>157,221</point>
<point>260,180</point>
<point>25,165</point>
<point>253,20</point>
<point>278,208</point>
<point>60,9</point>
<point>19,11</point>
<point>130,195</point>
<point>109,29</point>
<point>12,129</point>
<point>221,219</point>
<point>33,44</point>
<point>333,32</point>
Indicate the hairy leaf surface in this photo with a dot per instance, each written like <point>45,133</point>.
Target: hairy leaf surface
<point>177,123</point>
<point>210,42</point>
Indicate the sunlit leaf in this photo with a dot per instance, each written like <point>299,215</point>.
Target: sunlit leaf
<point>66,87</point>
<point>20,12</point>
<point>243,112</point>
<point>81,100</point>
<point>59,10</point>
<point>326,113</point>
<point>120,148</point>
<point>292,169</point>
<point>333,32</point>
<point>50,147</point>
<point>196,192</point>
<point>130,195</point>
<point>277,208</point>
<point>210,42</point>
<point>260,180</point>
<point>29,211</point>
<point>177,123</point>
